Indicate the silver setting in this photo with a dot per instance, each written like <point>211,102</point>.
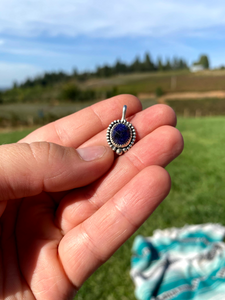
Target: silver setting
<point>120,149</point>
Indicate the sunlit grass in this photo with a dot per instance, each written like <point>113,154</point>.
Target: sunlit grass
<point>12,136</point>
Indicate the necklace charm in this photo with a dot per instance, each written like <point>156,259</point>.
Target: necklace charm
<point>121,134</point>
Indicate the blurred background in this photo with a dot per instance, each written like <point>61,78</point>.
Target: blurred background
<point>57,57</point>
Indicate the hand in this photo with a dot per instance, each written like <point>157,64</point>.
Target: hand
<point>62,215</point>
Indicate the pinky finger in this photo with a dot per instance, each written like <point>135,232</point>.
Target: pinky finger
<point>84,248</point>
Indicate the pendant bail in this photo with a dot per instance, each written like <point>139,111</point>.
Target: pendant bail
<point>124,113</point>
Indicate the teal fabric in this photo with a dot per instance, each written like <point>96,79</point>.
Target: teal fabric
<point>180,263</point>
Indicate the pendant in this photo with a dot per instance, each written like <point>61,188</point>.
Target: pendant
<point>121,134</point>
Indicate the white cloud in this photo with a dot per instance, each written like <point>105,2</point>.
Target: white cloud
<point>108,18</point>
<point>27,48</point>
<point>10,72</point>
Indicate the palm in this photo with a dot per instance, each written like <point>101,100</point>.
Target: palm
<point>30,243</point>
<point>52,242</point>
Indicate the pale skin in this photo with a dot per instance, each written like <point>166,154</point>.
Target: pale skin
<point>62,216</point>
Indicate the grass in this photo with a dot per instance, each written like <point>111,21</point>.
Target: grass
<point>197,196</point>
<point>13,136</point>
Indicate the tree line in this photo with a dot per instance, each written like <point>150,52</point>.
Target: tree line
<point>119,67</point>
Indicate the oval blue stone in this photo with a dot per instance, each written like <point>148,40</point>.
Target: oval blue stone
<point>120,134</point>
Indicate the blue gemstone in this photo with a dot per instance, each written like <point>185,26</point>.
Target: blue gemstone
<point>120,134</point>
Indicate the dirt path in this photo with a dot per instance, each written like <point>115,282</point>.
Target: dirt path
<point>185,96</point>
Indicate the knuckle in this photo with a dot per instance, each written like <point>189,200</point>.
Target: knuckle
<point>40,151</point>
<point>45,152</point>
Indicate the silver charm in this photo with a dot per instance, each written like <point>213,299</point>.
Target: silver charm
<point>121,134</point>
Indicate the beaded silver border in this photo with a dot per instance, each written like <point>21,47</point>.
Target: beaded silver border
<point>120,149</point>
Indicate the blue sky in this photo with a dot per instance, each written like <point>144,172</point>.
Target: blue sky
<point>47,35</point>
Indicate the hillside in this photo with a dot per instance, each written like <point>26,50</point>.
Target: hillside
<point>73,90</point>
<point>40,104</point>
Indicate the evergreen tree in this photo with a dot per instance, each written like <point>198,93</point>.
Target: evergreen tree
<point>204,61</point>
<point>148,65</point>
<point>136,65</point>
<point>160,66</point>
<point>175,63</point>
<point>107,71</point>
<point>182,64</point>
<point>117,67</point>
<point>75,72</point>
<point>167,65</point>
<point>15,85</point>
<point>120,68</point>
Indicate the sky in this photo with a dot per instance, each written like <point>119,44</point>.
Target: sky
<point>55,35</point>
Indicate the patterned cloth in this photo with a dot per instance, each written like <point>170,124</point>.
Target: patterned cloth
<point>186,263</point>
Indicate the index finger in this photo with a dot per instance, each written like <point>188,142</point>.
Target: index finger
<point>75,129</point>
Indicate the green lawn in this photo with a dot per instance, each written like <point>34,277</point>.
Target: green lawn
<point>13,136</point>
<point>197,196</point>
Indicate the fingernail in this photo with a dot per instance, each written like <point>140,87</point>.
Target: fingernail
<point>91,153</point>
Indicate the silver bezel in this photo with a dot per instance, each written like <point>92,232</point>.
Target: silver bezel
<point>120,149</point>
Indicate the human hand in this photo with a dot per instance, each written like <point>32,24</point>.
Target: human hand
<point>61,217</point>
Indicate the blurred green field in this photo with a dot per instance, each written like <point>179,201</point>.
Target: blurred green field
<point>26,114</point>
<point>8,137</point>
<point>197,196</point>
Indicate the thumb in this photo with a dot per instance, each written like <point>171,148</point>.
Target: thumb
<point>29,169</point>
